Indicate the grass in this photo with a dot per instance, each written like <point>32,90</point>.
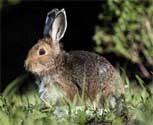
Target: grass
<point>27,109</point>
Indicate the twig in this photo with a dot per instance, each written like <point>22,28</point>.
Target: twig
<point>144,71</point>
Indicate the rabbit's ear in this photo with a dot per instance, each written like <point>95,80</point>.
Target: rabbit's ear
<point>59,26</point>
<point>49,20</point>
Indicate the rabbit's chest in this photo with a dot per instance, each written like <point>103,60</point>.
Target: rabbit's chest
<point>49,90</point>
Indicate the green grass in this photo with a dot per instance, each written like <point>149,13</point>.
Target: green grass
<point>27,109</point>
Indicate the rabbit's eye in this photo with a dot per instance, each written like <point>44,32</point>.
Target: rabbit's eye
<point>42,51</point>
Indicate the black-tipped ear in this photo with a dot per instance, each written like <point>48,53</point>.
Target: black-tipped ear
<point>49,20</point>
<point>58,26</point>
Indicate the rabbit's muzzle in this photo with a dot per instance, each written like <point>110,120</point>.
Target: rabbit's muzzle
<point>34,67</point>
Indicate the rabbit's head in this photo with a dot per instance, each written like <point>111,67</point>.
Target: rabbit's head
<point>41,57</point>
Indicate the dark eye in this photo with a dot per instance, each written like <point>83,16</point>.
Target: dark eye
<point>42,51</point>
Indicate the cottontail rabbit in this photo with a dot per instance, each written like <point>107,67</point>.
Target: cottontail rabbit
<point>73,72</point>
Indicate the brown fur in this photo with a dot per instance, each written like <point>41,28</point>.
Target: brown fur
<point>71,71</point>
<point>74,72</point>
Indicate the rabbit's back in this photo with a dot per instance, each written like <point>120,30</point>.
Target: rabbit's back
<point>93,72</point>
<point>88,64</point>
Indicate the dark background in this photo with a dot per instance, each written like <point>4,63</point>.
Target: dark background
<point>22,25</point>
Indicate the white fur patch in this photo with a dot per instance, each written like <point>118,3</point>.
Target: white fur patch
<point>49,90</point>
<point>102,70</point>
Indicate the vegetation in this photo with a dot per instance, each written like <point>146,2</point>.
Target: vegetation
<point>11,2</point>
<point>18,108</point>
<point>126,30</point>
